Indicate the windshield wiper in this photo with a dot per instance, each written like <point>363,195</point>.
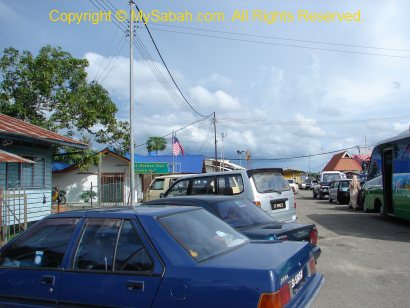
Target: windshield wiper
<point>272,190</point>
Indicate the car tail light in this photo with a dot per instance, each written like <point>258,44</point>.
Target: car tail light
<point>275,300</point>
<point>257,203</point>
<point>313,237</point>
<point>312,266</point>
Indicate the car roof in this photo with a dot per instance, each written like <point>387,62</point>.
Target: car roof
<point>197,198</point>
<point>138,210</point>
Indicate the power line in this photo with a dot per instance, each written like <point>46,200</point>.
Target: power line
<point>284,45</point>
<point>166,66</point>
<point>254,121</point>
<point>283,38</point>
<point>179,129</point>
<point>301,156</point>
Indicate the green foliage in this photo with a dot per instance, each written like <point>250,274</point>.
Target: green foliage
<point>156,144</point>
<point>87,195</point>
<point>51,90</point>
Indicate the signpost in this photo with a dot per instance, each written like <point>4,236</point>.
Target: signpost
<point>150,168</point>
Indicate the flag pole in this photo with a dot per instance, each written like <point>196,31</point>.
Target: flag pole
<point>172,152</point>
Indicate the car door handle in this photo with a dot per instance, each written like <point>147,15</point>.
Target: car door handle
<point>135,285</point>
<point>47,280</point>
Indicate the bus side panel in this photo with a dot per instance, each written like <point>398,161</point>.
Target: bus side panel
<point>401,179</point>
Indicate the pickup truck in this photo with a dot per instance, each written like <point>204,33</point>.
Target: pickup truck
<point>248,219</point>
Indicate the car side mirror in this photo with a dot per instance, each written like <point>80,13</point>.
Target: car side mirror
<point>161,195</point>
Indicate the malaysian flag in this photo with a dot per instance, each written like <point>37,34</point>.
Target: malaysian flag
<point>176,147</point>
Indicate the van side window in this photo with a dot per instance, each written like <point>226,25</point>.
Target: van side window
<point>179,189</point>
<point>230,184</point>
<point>203,186</point>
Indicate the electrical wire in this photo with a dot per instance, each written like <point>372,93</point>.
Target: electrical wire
<point>166,66</point>
<point>301,156</point>
<point>178,130</point>
<point>284,45</point>
<point>283,38</point>
<point>256,122</point>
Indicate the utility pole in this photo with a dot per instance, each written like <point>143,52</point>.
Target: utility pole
<point>223,135</point>
<point>132,178</point>
<point>216,151</point>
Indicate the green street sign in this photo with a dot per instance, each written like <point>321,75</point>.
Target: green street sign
<point>148,168</point>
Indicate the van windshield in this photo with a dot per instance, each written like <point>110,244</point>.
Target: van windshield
<point>267,182</point>
<point>158,184</point>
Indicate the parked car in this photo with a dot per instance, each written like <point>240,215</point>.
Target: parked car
<point>310,183</point>
<point>302,185</point>
<point>293,185</point>
<point>248,219</point>
<point>360,196</point>
<point>339,191</point>
<point>267,188</point>
<point>152,257</point>
<point>322,188</point>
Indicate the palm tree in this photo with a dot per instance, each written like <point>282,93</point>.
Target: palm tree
<point>156,144</point>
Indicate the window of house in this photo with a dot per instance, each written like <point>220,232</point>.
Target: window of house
<point>43,246</point>
<point>24,175</point>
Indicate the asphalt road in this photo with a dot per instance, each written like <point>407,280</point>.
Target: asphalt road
<point>365,260</point>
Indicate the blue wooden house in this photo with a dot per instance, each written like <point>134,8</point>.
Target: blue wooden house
<point>25,169</point>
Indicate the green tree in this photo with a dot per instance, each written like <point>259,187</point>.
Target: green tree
<point>51,90</point>
<point>156,144</point>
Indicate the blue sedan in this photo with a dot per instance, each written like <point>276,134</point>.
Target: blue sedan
<point>152,257</point>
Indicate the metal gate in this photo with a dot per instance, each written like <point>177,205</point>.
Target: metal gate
<point>13,213</point>
<point>112,189</point>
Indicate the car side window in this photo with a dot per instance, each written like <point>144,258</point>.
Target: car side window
<point>179,188</point>
<point>230,184</point>
<point>44,246</point>
<point>96,247</point>
<point>203,186</point>
<point>131,254</point>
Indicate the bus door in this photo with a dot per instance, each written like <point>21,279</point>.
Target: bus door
<point>388,179</point>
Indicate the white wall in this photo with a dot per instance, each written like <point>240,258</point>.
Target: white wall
<point>75,182</point>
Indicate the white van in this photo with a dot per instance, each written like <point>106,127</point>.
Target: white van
<point>159,186</point>
<point>267,188</point>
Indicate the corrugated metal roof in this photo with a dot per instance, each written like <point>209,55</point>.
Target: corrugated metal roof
<point>6,157</point>
<point>11,127</point>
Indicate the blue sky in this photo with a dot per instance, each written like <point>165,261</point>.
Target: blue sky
<point>279,101</point>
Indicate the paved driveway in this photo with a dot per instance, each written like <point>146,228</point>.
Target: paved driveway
<point>366,261</point>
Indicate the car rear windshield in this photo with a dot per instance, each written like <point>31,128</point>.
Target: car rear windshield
<point>267,182</point>
<point>331,177</point>
<point>202,234</point>
<point>241,213</point>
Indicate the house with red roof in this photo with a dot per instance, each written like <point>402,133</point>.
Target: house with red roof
<point>25,170</point>
<point>346,163</point>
